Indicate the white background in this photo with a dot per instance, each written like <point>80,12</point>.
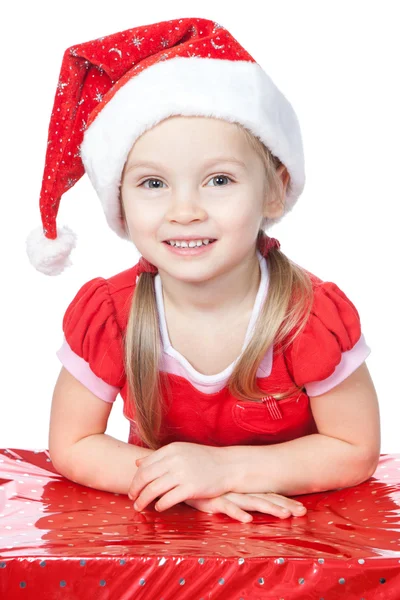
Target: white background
<point>337,63</point>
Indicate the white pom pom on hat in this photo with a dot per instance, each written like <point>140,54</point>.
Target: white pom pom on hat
<point>51,256</point>
<point>112,89</point>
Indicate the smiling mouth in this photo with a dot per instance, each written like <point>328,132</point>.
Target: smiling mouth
<point>196,246</point>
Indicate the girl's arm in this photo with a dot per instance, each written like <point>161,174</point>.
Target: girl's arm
<point>78,446</point>
<point>102,462</point>
<point>344,453</point>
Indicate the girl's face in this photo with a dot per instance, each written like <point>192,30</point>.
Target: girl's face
<point>187,184</point>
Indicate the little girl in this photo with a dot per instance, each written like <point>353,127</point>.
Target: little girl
<point>242,374</point>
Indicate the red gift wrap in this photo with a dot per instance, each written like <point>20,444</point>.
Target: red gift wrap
<point>59,539</point>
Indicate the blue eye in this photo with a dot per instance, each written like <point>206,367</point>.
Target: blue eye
<point>220,176</point>
<point>146,180</point>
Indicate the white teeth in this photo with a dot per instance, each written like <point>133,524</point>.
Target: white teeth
<point>191,244</point>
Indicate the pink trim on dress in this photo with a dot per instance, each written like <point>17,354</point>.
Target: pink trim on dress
<point>81,370</point>
<point>351,360</point>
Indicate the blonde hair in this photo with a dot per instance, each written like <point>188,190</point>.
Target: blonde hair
<point>285,311</point>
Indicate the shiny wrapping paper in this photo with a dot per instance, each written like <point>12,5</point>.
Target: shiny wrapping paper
<point>63,540</point>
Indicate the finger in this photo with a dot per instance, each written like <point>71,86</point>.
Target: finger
<point>289,503</point>
<point>233,510</point>
<point>172,497</point>
<point>254,502</point>
<point>158,487</point>
<point>213,506</point>
<point>145,475</point>
<point>210,505</point>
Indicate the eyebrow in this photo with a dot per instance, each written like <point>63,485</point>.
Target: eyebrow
<point>207,163</point>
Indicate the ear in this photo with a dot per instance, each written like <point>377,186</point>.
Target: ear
<point>284,174</point>
<point>275,209</point>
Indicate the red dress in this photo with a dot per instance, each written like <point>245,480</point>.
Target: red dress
<point>329,349</point>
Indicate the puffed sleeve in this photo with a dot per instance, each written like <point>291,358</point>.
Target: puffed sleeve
<point>92,349</point>
<point>331,346</point>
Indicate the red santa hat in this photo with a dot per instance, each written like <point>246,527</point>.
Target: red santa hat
<point>112,89</point>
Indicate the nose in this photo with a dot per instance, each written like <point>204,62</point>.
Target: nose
<point>185,207</point>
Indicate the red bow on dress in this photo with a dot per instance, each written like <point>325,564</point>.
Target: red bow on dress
<point>265,244</point>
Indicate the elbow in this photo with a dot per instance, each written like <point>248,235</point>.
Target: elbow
<point>366,466</point>
<point>65,463</point>
<point>61,465</point>
<point>56,458</point>
<point>58,455</point>
<point>373,464</point>
<point>371,459</point>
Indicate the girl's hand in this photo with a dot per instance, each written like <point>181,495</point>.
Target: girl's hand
<point>176,472</point>
<point>232,504</point>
